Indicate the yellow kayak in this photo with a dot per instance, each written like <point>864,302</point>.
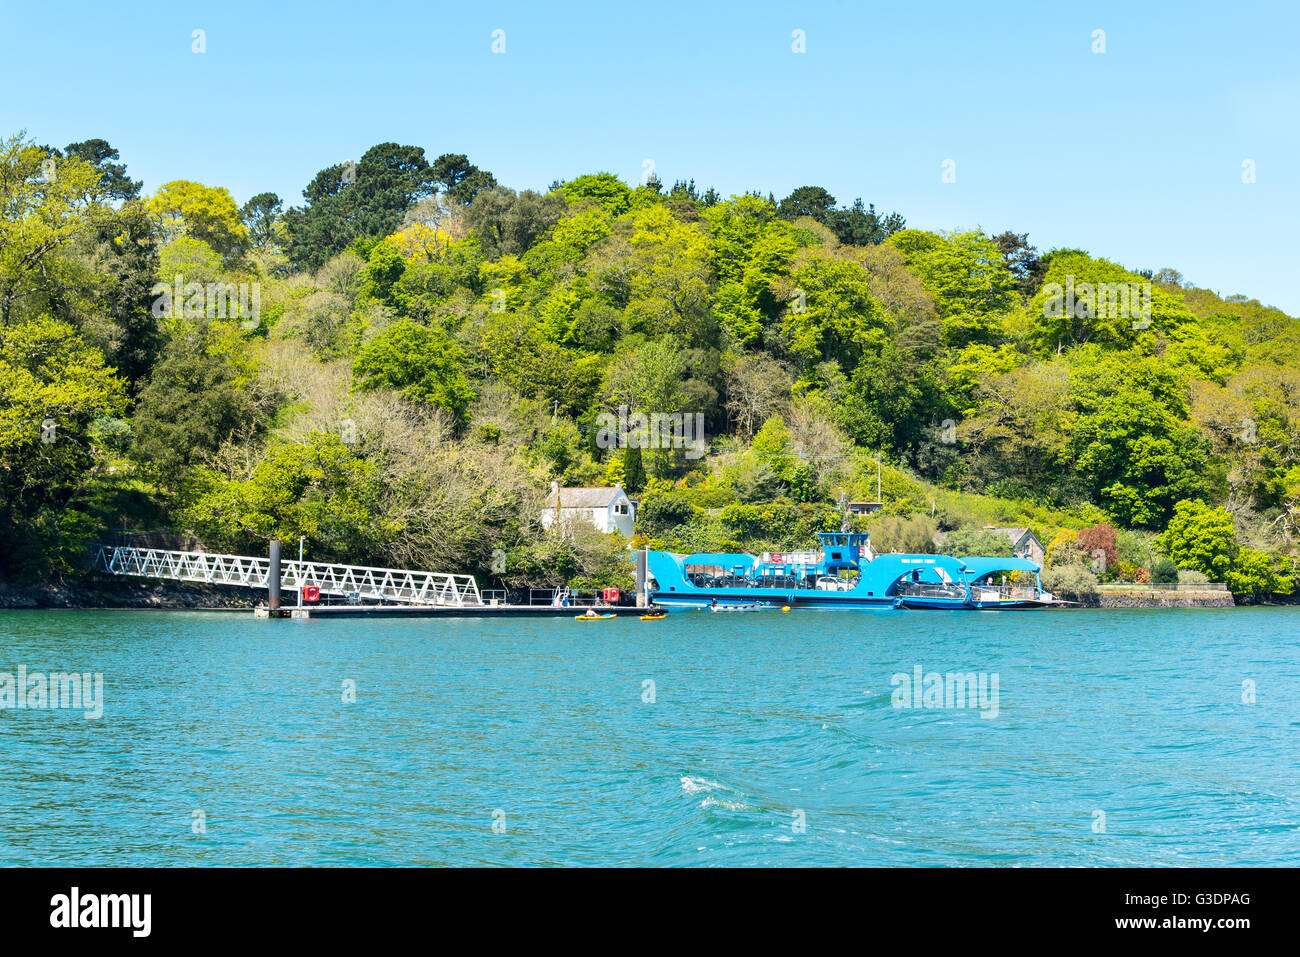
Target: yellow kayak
<point>653,617</point>
<point>592,617</point>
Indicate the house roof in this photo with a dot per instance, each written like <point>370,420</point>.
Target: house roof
<point>593,497</point>
<point>1016,533</point>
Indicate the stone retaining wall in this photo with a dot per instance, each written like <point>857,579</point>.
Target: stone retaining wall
<point>1142,598</point>
<point>128,593</point>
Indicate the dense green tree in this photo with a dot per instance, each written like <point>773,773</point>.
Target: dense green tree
<point>114,183</point>
<point>1021,259</point>
<point>53,387</point>
<point>773,524</point>
<point>807,201</point>
<point>385,265</point>
<point>667,278</point>
<point>423,289</point>
<point>968,278</point>
<point>1202,538</point>
<point>260,216</point>
<point>1084,300</point>
<point>420,363</point>
<point>856,225</point>
<point>565,379</point>
<point>859,225</point>
<point>319,488</point>
<point>751,252</point>
<point>665,512</point>
<point>1256,573</point>
<point>606,189</point>
<point>1130,440</point>
<point>648,379</point>
<point>44,204</point>
<point>1020,427</point>
<point>888,401</point>
<point>196,398</point>
<point>206,213</point>
<point>125,258</point>
<point>965,542</point>
<point>834,316</point>
<point>1164,571</point>
<point>772,447</point>
<point>911,535</point>
<point>508,223</point>
<point>459,178</point>
<point>350,201</point>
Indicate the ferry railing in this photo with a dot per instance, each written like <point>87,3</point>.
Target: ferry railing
<point>547,596</point>
<point>930,590</point>
<point>570,597</point>
<point>1004,592</point>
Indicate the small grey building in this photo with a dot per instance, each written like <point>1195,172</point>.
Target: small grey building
<point>1024,541</point>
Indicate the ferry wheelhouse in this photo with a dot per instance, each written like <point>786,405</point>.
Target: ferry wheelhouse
<point>845,572</point>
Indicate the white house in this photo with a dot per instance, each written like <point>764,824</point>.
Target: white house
<point>607,509</point>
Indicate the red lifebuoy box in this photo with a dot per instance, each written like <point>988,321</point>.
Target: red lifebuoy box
<point>310,593</point>
<point>610,595</point>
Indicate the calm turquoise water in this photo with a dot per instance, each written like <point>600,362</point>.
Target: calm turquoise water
<point>755,718</point>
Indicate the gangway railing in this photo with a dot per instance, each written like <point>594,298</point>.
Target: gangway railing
<point>569,597</point>
<point>353,582</point>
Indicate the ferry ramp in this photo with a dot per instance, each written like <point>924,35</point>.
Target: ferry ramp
<point>356,583</point>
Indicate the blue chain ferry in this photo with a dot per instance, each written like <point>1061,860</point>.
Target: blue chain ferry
<point>845,573</point>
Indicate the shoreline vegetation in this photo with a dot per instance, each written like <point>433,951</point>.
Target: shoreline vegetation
<point>398,367</point>
<point>108,594</point>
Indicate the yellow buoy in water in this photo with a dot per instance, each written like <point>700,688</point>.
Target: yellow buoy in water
<point>784,609</point>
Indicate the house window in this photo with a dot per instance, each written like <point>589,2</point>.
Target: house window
<point>620,508</point>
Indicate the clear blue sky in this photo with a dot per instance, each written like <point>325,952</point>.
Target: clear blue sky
<point>1134,154</point>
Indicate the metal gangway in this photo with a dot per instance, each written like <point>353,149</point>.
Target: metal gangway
<point>356,583</point>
